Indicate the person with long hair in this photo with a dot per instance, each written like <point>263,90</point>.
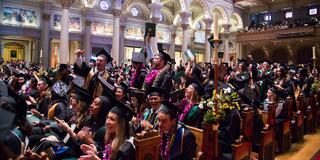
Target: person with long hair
<point>192,112</point>
<point>118,143</point>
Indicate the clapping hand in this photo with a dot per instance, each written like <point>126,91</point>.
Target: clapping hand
<point>61,123</point>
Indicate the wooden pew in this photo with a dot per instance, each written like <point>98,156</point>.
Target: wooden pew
<point>297,125</point>
<point>147,145</point>
<point>285,135</point>
<point>198,133</point>
<point>307,108</point>
<point>210,147</point>
<point>243,149</point>
<point>267,142</point>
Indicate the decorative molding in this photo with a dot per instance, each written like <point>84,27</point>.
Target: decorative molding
<point>116,12</point>
<point>66,3</point>
<point>46,17</point>
<point>185,26</point>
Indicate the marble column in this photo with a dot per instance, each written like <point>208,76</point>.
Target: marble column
<point>185,26</point>
<point>116,35</point>
<point>44,40</point>
<point>35,51</point>
<point>155,18</point>
<point>122,46</point>
<point>172,41</point>
<point>226,33</point>
<point>208,26</point>
<point>64,33</point>
<point>87,39</point>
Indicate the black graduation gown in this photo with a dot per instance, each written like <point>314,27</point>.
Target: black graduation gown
<point>229,131</point>
<point>165,82</point>
<point>139,80</point>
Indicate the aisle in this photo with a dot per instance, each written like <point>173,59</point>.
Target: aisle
<point>303,150</point>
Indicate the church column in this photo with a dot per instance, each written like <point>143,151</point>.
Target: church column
<point>122,39</point>
<point>64,33</point>
<point>208,26</point>
<point>185,26</point>
<point>116,34</point>
<point>88,13</point>
<point>44,39</point>
<point>226,33</point>
<point>36,51</point>
<point>155,17</point>
<point>172,41</point>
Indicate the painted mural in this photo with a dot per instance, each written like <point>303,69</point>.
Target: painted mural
<point>74,23</point>
<point>19,17</point>
<point>134,32</point>
<point>102,28</point>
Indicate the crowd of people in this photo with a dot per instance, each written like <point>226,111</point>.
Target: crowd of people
<point>265,26</point>
<point>94,109</point>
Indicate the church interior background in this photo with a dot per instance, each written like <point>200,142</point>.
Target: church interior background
<point>32,29</point>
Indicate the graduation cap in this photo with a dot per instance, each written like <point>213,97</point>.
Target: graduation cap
<point>60,88</point>
<point>124,86</point>
<point>105,55</point>
<point>92,60</point>
<point>135,92</point>
<point>138,57</point>
<point>8,95</point>
<point>165,56</point>
<point>63,67</point>
<point>78,80</point>
<point>151,29</point>
<point>292,69</point>
<point>81,93</point>
<point>155,91</point>
<point>21,75</point>
<point>46,80</point>
<point>122,110</point>
<point>177,95</point>
<point>173,109</point>
<point>267,61</point>
<point>198,87</point>
<point>211,41</point>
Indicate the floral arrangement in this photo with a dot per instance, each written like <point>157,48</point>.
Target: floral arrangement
<point>315,87</point>
<point>219,103</point>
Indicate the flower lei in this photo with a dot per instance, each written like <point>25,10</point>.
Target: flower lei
<point>151,76</point>
<point>160,74</point>
<point>187,106</point>
<point>169,142</point>
<point>107,151</point>
<point>135,75</point>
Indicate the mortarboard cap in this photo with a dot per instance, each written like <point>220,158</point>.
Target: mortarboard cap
<point>60,88</point>
<point>138,57</point>
<point>151,29</point>
<point>122,110</point>
<point>124,86</point>
<point>92,60</point>
<point>19,104</point>
<point>173,109</point>
<point>135,92</point>
<point>21,75</point>
<point>45,79</point>
<point>155,91</point>
<point>198,87</point>
<point>267,61</point>
<point>81,93</point>
<point>292,69</point>
<point>104,54</point>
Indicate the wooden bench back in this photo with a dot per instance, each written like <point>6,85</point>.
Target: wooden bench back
<point>247,124</point>
<point>198,133</point>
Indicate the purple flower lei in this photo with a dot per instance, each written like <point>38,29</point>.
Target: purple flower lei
<point>169,142</point>
<point>107,151</point>
<point>151,76</point>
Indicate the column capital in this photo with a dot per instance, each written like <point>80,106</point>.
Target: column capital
<point>185,16</point>
<point>66,3</point>
<point>46,16</point>
<point>185,26</point>
<point>155,11</point>
<point>208,23</point>
<point>116,12</point>
<point>226,27</point>
<point>208,31</point>
<point>88,22</point>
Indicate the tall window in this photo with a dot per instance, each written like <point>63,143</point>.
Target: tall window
<point>267,17</point>
<point>288,14</point>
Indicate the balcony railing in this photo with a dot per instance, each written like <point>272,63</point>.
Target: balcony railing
<point>290,33</point>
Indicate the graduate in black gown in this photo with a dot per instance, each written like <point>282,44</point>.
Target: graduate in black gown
<point>94,76</point>
<point>138,60</point>
<point>177,141</point>
<point>118,143</point>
